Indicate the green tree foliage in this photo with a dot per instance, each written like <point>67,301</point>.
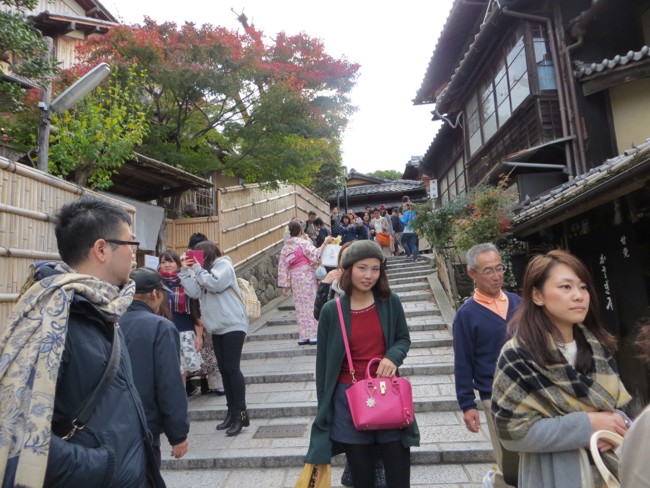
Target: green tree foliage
<point>24,50</point>
<point>95,138</point>
<point>236,103</point>
<point>482,215</point>
<point>387,174</point>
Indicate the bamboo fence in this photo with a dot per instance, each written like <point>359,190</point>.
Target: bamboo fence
<point>249,220</point>
<point>29,200</point>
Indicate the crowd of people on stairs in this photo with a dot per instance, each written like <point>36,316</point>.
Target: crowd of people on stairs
<point>81,399</point>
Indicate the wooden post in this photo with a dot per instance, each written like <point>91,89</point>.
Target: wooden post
<point>43,140</point>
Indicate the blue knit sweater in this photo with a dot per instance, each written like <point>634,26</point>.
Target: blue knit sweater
<point>479,334</point>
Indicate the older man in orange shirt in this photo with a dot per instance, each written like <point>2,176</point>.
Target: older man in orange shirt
<point>479,332</point>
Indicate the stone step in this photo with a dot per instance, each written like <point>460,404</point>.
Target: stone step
<point>411,309</point>
<point>450,475</point>
<point>434,392</point>
<point>307,409</point>
<point>409,273</point>
<point>425,361</point>
<point>282,441</point>
<point>423,294</point>
<point>287,348</point>
<point>406,287</point>
<point>267,373</point>
<point>407,279</point>
<point>290,331</point>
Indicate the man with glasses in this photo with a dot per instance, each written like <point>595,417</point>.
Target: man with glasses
<point>68,419</point>
<point>479,331</point>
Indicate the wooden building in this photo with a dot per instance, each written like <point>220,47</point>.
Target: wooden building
<point>67,22</point>
<point>555,94</point>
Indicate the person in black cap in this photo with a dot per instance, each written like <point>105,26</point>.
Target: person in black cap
<point>154,347</point>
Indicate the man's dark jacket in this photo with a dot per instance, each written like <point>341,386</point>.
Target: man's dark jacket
<point>114,448</point>
<point>154,347</point>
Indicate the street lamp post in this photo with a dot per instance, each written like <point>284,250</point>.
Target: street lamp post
<point>345,187</point>
<point>63,102</point>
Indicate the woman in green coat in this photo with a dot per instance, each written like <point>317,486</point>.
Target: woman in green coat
<point>376,327</point>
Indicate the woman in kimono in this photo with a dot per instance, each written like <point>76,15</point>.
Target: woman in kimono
<point>296,270</point>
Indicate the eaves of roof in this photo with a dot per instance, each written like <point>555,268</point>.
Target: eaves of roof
<point>473,59</point>
<point>47,17</point>
<point>431,157</point>
<point>583,192</point>
<point>586,70</point>
<point>462,17</point>
<point>95,9</point>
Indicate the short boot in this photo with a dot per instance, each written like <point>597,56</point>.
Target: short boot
<point>240,420</point>
<point>205,389</point>
<point>227,422</point>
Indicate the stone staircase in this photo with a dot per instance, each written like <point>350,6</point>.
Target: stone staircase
<point>281,400</point>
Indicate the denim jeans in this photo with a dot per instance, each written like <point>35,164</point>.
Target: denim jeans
<point>410,244</point>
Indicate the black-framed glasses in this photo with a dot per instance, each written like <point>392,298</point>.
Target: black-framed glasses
<point>134,244</point>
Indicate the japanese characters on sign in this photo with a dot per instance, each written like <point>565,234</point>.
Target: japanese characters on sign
<point>609,305</point>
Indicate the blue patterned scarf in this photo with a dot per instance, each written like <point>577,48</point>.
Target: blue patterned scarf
<point>30,354</point>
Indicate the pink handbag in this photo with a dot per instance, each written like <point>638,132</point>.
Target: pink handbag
<point>377,403</point>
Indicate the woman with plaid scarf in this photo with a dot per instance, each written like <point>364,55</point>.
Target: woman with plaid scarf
<point>556,380</point>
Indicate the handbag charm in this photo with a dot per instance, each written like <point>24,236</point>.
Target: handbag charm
<point>370,402</point>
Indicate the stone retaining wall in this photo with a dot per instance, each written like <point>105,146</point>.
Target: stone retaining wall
<point>262,273</point>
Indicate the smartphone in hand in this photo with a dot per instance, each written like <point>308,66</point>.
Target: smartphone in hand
<point>197,256</point>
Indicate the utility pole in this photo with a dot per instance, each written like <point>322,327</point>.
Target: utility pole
<point>345,187</point>
<point>43,138</point>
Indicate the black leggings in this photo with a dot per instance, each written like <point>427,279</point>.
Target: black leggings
<point>227,350</point>
<point>396,458</point>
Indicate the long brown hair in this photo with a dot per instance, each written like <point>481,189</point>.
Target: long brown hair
<point>531,325</point>
<point>210,253</point>
<point>381,289</point>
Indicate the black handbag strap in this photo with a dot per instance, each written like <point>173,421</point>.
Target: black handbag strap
<point>91,401</point>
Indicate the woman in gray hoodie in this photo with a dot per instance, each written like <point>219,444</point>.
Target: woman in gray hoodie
<point>224,315</point>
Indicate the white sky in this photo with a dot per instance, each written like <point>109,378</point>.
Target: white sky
<point>391,40</point>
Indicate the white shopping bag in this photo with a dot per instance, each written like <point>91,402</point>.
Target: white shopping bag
<point>330,255</point>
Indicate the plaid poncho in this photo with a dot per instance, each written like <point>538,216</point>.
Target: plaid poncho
<point>523,391</point>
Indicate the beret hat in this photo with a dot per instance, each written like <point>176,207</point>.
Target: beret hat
<point>361,250</point>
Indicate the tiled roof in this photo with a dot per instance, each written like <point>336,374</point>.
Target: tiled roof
<point>578,186</point>
<point>393,186</point>
<point>587,69</point>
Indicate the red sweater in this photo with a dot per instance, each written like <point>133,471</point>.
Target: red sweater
<point>366,342</point>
